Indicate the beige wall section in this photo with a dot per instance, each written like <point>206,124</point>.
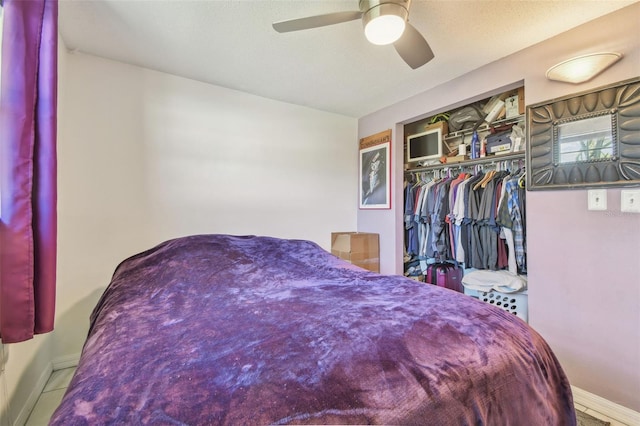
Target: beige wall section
<point>584,296</point>
<point>145,156</point>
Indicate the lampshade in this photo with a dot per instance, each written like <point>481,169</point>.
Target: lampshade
<point>384,23</point>
<point>582,68</point>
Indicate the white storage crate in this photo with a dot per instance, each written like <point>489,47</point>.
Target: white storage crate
<point>515,303</point>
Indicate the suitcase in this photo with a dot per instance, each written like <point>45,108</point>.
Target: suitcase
<point>445,275</point>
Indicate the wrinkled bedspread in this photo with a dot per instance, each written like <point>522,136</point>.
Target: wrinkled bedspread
<point>219,329</point>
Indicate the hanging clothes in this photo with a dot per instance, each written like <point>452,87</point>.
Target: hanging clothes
<point>475,219</point>
<point>512,217</point>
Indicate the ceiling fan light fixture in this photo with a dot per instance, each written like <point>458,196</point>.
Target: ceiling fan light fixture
<point>384,23</point>
<point>582,68</point>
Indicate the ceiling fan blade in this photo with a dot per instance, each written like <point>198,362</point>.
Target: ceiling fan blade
<point>316,21</point>
<point>413,48</point>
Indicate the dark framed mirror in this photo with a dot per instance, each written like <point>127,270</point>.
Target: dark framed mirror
<point>586,140</point>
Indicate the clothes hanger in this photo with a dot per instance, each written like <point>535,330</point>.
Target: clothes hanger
<point>488,178</point>
<point>483,182</point>
<point>415,180</point>
<point>522,181</point>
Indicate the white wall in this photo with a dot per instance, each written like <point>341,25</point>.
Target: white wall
<point>145,156</point>
<point>584,296</point>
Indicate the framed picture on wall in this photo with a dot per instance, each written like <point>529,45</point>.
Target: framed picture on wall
<point>375,171</point>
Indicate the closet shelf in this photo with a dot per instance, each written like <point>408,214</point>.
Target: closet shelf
<point>484,160</point>
<point>483,128</point>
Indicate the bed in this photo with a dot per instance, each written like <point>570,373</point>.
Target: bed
<point>247,330</point>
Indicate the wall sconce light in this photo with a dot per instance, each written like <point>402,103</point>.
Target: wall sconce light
<point>582,68</point>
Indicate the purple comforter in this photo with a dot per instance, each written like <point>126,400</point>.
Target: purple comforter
<point>218,329</point>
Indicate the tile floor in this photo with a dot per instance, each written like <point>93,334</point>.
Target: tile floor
<point>50,397</point>
<point>600,416</point>
<point>59,380</point>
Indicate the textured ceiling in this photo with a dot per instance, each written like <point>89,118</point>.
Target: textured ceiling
<point>231,43</point>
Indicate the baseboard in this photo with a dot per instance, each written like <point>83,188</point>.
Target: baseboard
<point>606,407</point>
<point>31,401</point>
<point>67,361</point>
<point>4,392</point>
<point>60,363</point>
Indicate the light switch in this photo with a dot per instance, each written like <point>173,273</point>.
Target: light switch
<point>630,200</point>
<point>597,199</point>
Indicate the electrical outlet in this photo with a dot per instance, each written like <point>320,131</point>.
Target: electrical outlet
<point>630,200</point>
<point>597,199</point>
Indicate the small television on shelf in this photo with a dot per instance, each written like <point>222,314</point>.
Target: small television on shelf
<point>425,146</point>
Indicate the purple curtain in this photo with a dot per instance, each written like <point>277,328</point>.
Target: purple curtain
<point>28,100</point>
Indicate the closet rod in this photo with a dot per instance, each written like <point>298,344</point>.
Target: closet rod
<point>466,163</point>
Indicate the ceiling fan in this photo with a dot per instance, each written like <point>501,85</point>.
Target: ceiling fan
<point>385,22</point>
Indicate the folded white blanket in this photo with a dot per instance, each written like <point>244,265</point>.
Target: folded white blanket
<point>502,281</point>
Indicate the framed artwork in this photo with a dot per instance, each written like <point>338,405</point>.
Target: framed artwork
<point>586,140</point>
<point>375,171</point>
